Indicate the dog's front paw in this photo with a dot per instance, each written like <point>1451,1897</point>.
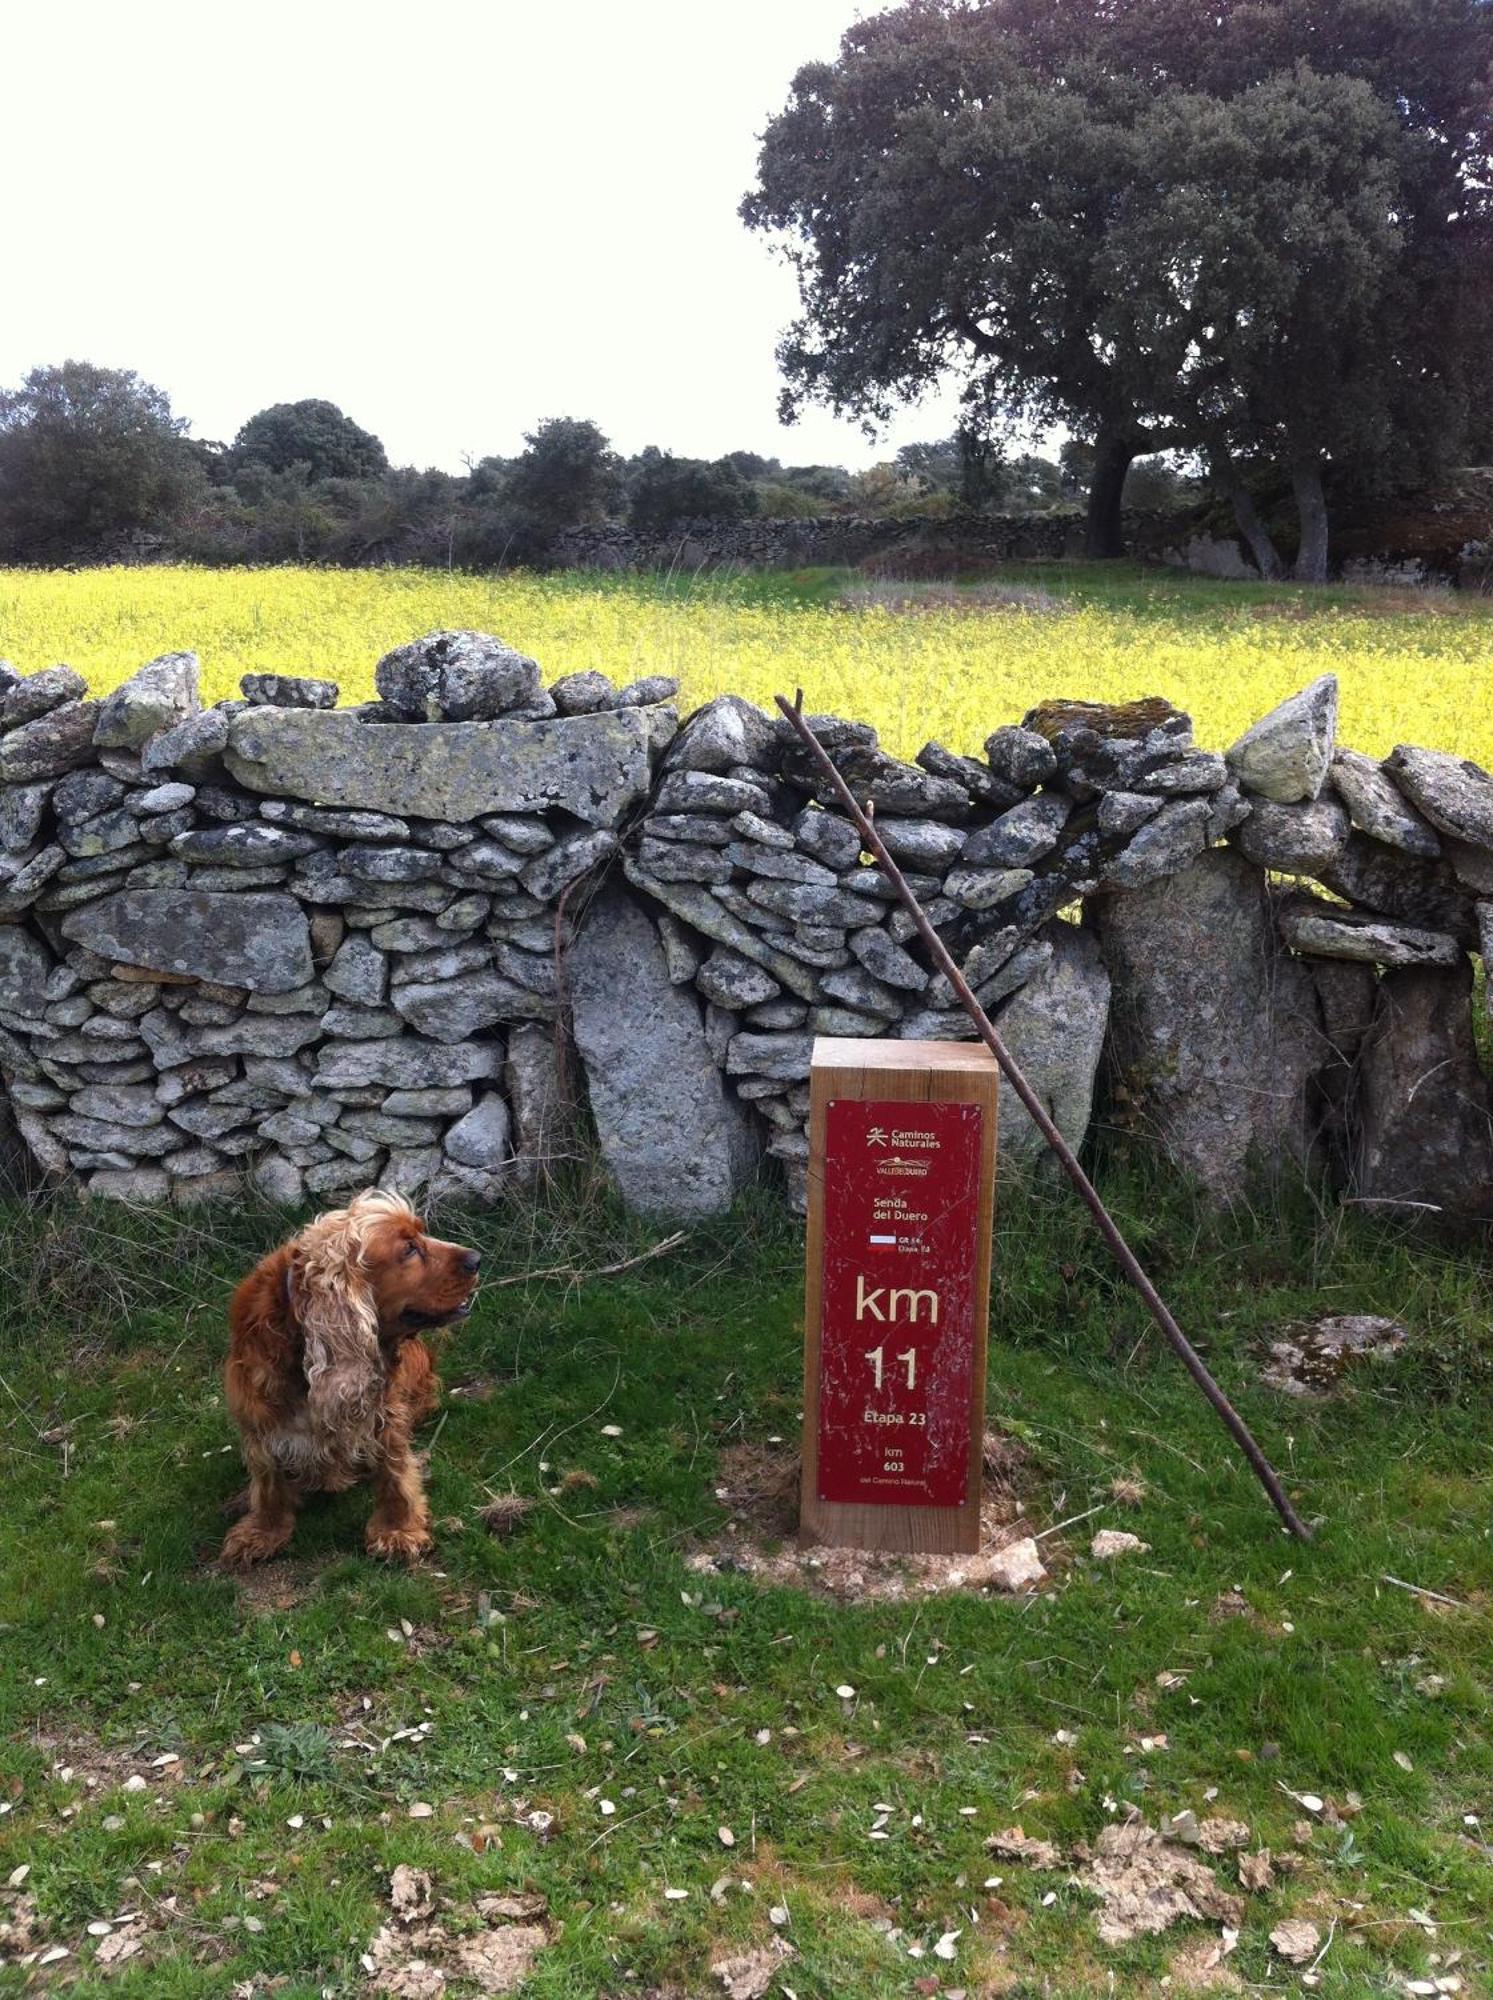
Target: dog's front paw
<point>253,1542</point>
<point>392,1544</point>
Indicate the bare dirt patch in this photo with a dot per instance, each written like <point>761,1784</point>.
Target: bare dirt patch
<point>759,1484</point>
<point>505,1513</point>
<point>749,1975</point>
<point>83,1761</point>
<point>432,1945</point>
<point>1146,1884</point>
<point>1203,1968</point>
<point>1312,1359</point>
<point>275,1586</point>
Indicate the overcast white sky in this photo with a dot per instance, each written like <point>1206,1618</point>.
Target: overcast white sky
<point>452,218</point>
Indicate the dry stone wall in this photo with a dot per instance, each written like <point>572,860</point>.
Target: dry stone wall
<point>408,942</point>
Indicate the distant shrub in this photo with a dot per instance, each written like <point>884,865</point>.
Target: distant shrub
<point>777,502</point>
<point>665,489</point>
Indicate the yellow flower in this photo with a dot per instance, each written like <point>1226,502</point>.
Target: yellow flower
<point>1415,674</point>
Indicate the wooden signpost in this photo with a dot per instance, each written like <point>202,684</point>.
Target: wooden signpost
<point>902,1142</point>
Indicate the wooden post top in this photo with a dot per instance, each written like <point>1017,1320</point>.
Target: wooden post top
<point>860,1052</point>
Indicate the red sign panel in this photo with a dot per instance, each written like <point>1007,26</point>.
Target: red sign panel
<point>897,1333</point>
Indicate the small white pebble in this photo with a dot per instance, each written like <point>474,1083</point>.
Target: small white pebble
<point>419,1810</point>
<point>845,1691</point>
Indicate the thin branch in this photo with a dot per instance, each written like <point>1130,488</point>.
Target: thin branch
<point>1419,1590</point>
<point>577,1276</point>
<point>1072,1521</point>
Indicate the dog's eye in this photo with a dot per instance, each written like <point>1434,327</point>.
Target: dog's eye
<point>411,1249</point>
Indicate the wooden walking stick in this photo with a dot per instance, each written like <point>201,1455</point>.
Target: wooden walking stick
<point>1123,1255</point>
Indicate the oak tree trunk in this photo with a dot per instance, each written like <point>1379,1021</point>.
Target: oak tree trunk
<point>1103,536</point>
<point>1256,535</point>
<point>1311,507</point>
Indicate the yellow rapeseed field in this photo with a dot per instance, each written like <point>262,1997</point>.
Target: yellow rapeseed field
<point>1412,669</point>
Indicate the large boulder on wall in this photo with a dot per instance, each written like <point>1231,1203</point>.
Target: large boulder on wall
<point>1214,1034</point>
<point>1054,1027</point>
<point>674,1138</point>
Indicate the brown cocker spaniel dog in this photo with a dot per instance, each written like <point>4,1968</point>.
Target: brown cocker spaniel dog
<point>327,1375</point>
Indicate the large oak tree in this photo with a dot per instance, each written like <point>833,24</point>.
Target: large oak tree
<point>1257,230</point>
<point>88,454</point>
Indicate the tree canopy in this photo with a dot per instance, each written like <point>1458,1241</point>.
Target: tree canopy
<point>312,434</point>
<point>1261,232</point>
<point>87,453</point>
<point>567,474</point>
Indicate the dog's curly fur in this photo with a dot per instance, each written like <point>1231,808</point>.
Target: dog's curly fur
<point>327,1376</point>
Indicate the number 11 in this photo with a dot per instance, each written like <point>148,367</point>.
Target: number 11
<point>875,1356</point>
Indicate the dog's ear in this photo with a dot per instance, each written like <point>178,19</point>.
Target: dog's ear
<point>333,1307</point>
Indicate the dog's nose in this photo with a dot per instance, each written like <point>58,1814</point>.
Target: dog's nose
<point>471,1260</point>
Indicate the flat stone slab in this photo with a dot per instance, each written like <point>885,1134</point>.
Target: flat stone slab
<point>594,766</point>
<point>1376,807</point>
<point>406,1063</point>
<point>1328,931</point>
<point>259,942</point>
<point>1455,794</point>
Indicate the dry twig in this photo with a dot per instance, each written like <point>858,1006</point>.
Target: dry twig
<point>577,1276</point>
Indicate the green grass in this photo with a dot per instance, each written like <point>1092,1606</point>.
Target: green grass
<point>583,1660</point>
